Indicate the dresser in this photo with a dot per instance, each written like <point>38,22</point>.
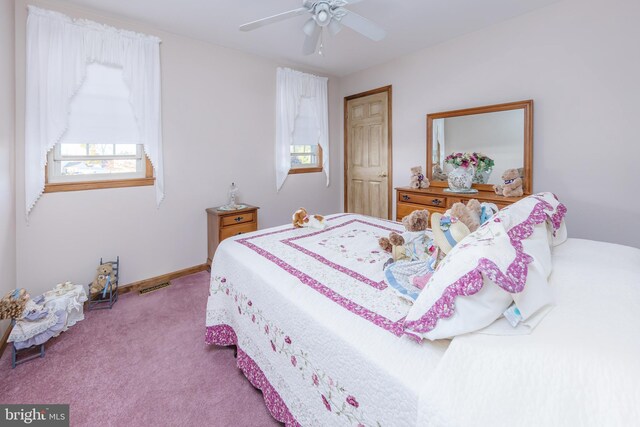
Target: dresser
<point>435,199</point>
<point>223,224</point>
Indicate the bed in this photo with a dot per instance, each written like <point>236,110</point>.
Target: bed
<point>320,334</point>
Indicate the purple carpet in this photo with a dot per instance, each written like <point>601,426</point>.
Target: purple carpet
<point>142,363</point>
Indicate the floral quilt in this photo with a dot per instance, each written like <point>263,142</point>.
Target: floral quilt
<point>316,324</point>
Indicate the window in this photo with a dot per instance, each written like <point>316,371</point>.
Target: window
<point>302,124</point>
<point>92,87</point>
<point>83,163</point>
<point>99,148</point>
<point>306,154</point>
<point>306,158</point>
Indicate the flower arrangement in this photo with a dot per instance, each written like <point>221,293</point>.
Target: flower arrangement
<point>479,161</point>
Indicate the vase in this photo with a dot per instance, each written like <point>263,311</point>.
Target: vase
<point>461,179</point>
<point>482,177</point>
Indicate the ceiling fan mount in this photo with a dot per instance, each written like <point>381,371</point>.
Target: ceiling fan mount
<point>330,14</point>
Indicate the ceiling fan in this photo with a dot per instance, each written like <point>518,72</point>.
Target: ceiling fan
<point>329,14</point>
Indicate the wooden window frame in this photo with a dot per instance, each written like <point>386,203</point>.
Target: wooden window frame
<point>56,187</point>
<point>310,169</point>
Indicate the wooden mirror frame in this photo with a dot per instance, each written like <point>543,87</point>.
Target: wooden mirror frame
<point>527,106</point>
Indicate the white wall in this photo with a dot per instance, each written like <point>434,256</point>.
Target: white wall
<point>219,127</point>
<point>7,143</point>
<point>579,61</point>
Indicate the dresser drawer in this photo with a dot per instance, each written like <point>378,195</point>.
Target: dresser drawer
<point>235,230</point>
<point>453,200</point>
<point>404,209</point>
<point>237,219</point>
<point>422,199</point>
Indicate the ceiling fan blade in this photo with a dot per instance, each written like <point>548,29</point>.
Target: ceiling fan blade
<point>275,18</point>
<point>311,41</point>
<point>363,26</point>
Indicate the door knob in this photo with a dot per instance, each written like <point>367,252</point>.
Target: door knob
<point>383,175</point>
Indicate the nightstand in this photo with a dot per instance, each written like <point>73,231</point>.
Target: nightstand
<point>222,224</point>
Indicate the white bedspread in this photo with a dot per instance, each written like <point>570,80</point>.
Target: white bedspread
<point>312,312</point>
<point>318,332</point>
<point>579,367</point>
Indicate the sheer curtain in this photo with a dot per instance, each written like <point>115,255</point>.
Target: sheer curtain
<point>100,112</point>
<point>59,50</point>
<point>291,88</point>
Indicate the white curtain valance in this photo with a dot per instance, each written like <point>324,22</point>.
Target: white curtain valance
<point>59,49</point>
<point>291,87</point>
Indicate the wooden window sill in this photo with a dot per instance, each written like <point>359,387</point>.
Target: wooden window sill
<point>304,170</point>
<point>96,185</point>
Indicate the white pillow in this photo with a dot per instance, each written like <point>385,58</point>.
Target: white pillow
<point>537,292</point>
<point>459,298</point>
<point>507,259</point>
<point>544,235</point>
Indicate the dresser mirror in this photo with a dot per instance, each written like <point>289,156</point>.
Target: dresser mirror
<point>498,137</point>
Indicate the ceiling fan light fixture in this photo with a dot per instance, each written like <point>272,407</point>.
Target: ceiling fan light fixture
<point>324,13</point>
<point>334,27</point>
<point>323,17</point>
<point>309,26</point>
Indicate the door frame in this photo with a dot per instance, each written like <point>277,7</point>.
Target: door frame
<point>389,91</point>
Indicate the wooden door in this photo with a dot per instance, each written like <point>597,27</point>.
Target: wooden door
<point>368,153</point>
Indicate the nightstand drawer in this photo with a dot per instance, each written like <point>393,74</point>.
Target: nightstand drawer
<point>237,219</point>
<point>422,199</point>
<point>235,230</point>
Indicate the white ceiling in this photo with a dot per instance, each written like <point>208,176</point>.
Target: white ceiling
<point>410,24</point>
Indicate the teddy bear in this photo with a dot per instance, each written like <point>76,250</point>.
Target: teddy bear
<point>437,174</point>
<point>105,274</point>
<point>469,214</point>
<point>459,221</point>
<point>409,245</point>
<point>12,305</point>
<point>302,219</point>
<point>418,180</point>
<point>512,184</point>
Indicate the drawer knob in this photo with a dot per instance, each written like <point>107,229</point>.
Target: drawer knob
<point>238,219</point>
<point>436,201</point>
<point>405,197</point>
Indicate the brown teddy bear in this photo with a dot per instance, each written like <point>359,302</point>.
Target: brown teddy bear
<point>469,214</point>
<point>13,303</point>
<point>104,271</point>
<point>512,184</point>
<point>302,219</point>
<point>403,246</point>
<point>437,174</point>
<point>418,180</point>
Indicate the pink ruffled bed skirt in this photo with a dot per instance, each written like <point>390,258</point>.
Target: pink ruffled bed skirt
<point>224,335</point>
